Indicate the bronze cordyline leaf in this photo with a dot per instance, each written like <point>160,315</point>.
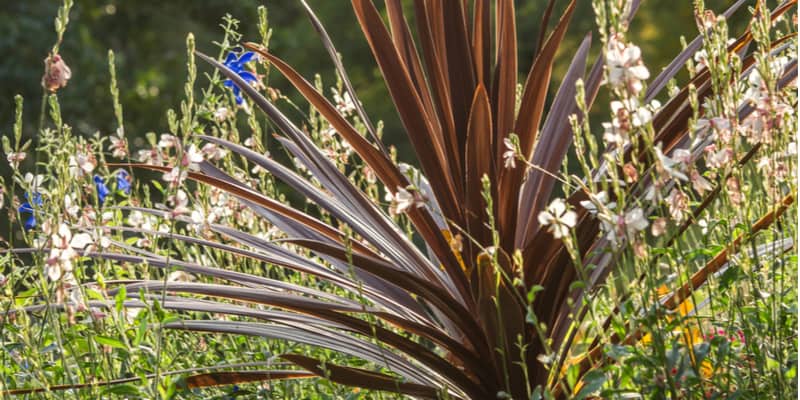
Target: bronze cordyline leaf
<point>455,90</point>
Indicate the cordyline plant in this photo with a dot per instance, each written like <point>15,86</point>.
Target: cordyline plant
<point>496,301</point>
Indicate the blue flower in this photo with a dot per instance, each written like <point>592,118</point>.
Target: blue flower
<point>237,65</point>
<point>123,181</point>
<point>26,207</point>
<point>102,189</point>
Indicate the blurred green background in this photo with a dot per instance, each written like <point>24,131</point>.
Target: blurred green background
<point>148,38</point>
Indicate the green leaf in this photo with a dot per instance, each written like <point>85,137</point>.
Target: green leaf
<point>532,293</point>
<point>109,341</point>
<point>119,299</point>
<point>592,382</point>
<point>124,390</point>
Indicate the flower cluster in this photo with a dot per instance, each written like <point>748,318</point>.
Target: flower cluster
<point>237,65</point>
<point>624,65</point>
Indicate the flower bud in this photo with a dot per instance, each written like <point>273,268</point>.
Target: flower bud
<point>56,73</point>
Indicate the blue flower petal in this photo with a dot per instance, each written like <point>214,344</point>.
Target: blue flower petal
<point>37,198</point>
<point>248,76</point>
<point>237,66</point>
<point>25,207</point>
<point>245,58</point>
<point>30,223</point>
<point>237,94</point>
<point>102,189</point>
<point>123,182</point>
<point>230,59</point>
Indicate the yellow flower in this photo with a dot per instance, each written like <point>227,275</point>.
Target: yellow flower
<point>706,369</point>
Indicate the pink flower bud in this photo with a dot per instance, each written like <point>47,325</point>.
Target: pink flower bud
<point>56,73</point>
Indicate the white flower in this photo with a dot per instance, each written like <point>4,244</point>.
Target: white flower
<point>635,221</point>
<point>136,219</point>
<point>713,123</point>
<point>558,218</point>
<point>167,141</point>
<point>34,181</point>
<point>627,114</point>
<point>179,201</point>
<point>213,152</point>
<point>597,202</point>
<point>624,225</point>
<point>118,146</point>
<point>175,176</point>
<point>15,158</point>
<point>152,156</point>
<point>343,102</point>
<point>718,158</point>
<point>69,207</point>
<point>201,218</point>
<point>62,252</point>
<point>667,165</point>
<point>625,67</point>
<point>703,224</point>
<point>221,114</point>
<point>612,135</point>
<point>81,241</point>
<point>510,155</point>
<point>192,157</point>
<point>700,184</point>
<point>81,165</point>
<point>180,276</point>
<point>403,200</point>
<point>659,227</point>
<point>701,58</point>
<point>678,203</point>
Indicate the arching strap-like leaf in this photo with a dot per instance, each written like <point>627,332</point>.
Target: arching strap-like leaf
<point>436,62</point>
<point>361,378</point>
<point>378,161</point>
<point>341,342</point>
<point>328,311</point>
<point>551,148</point>
<point>527,126</point>
<point>504,85</point>
<point>482,42</point>
<point>548,11</point>
<point>428,143</point>
<point>430,293</point>
<point>425,223</point>
<point>255,197</point>
<point>536,85</point>
<point>404,42</point>
<point>209,379</point>
<point>337,62</point>
<point>479,162</point>
<point>461,74</point>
